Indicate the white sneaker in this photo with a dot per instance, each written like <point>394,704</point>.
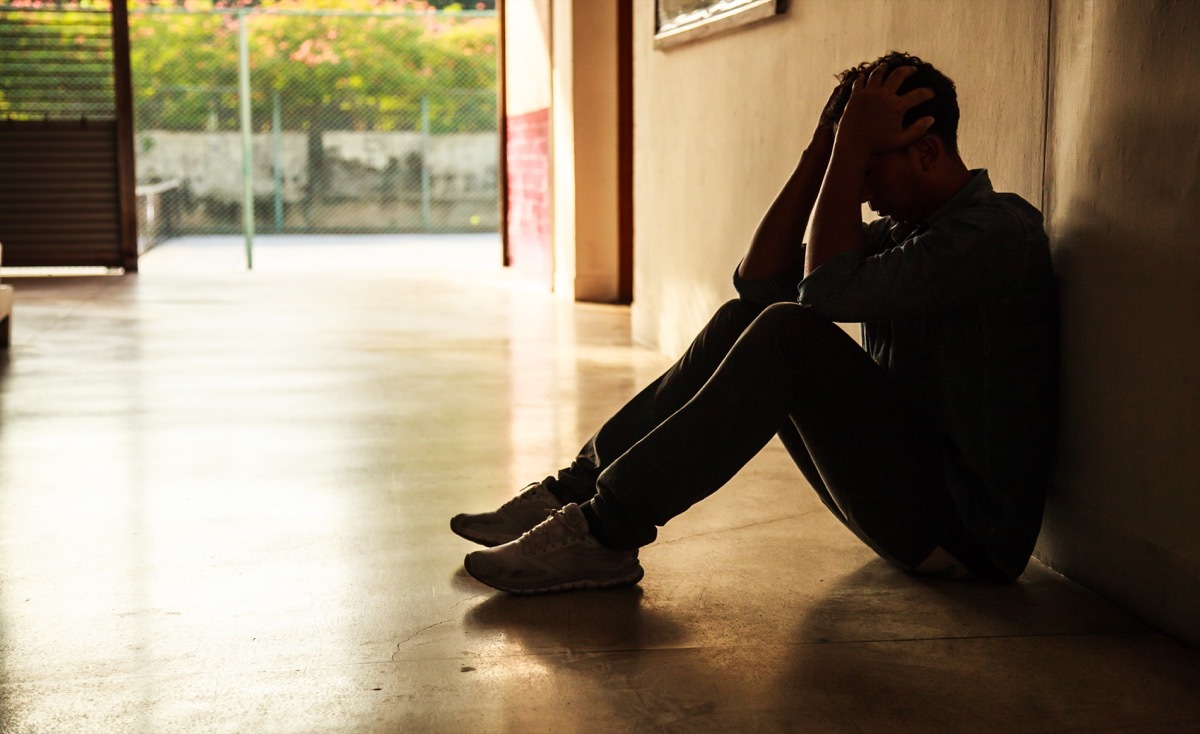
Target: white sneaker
<point>557,555</point>
<point>521,513</point>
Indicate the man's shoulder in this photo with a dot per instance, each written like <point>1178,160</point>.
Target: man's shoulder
<point>1006,232</point>
<point>1002,214</point>
<point>1027,213</point>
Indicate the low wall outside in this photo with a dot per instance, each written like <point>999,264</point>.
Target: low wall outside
<point>328,181</point>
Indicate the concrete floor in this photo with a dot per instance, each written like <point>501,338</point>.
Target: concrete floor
<point>224,501</point>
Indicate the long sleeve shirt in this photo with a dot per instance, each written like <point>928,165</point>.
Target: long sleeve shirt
<point>960,311</point>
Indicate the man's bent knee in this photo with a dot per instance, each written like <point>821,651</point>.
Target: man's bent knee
<point>794,321</point>
<point>735,315</point>
<point>740,308</point>
<point>796,312</point>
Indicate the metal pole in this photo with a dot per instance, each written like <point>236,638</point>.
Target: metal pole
<point>425,217</point>
<point>277,169</point>
<point>247,150</point>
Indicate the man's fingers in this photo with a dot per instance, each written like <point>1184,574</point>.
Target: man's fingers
<point>916,97</point>
<point>878,75</point>
<point>897,77</point>
<point>913,132</point>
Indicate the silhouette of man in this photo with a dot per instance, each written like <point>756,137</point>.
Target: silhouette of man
<point>931,442</point>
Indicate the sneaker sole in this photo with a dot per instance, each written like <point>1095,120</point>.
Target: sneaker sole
<point>634,576</point>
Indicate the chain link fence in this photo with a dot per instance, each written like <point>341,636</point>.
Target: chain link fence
<point>357,120</point>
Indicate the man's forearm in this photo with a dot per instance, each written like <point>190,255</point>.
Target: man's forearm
<point>837,219</point>
<point>777,244</point>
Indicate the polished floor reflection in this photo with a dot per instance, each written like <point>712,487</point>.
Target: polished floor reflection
<point>224,501</point>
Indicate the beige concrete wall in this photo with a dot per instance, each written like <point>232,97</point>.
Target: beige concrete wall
<point>527,82</point>
<point>1122,179</point>
<point>574,42</point>
<point>585,150</point>
<point>562,138</point>
<point>596,151</point>
<point>719,124</point>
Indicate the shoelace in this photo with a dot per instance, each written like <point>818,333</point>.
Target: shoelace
<point>521,497</point>
<point>524,496</point>
<point>551,533</point>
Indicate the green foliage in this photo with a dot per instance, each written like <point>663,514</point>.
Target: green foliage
<point>55,61</point>
<point>332,64</point>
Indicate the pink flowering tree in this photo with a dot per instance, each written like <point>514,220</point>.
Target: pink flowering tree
<point>334,64</point>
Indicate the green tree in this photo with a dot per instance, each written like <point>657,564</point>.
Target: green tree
<point>335,64</point>
<point>55,60</point>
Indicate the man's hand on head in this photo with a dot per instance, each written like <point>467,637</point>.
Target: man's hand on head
<point>873,121</point>
<point>826,129</point>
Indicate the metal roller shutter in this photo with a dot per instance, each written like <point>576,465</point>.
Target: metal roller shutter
<point>60,139</point>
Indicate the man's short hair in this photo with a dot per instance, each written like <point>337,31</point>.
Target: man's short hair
<point>943,107</point>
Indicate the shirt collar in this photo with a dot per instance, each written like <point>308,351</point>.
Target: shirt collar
<point>976,188</point>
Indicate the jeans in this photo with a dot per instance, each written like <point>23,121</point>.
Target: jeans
<point>752,373</point>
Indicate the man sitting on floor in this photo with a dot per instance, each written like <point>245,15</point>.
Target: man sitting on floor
<point>932,442</point>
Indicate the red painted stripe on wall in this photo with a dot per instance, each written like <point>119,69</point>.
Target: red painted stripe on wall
<point>528,142</point>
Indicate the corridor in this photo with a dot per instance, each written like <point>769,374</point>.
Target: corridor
<point>224,499</point>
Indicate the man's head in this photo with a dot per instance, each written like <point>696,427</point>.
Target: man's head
<point>910,183</point>
<point>943,108</point>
